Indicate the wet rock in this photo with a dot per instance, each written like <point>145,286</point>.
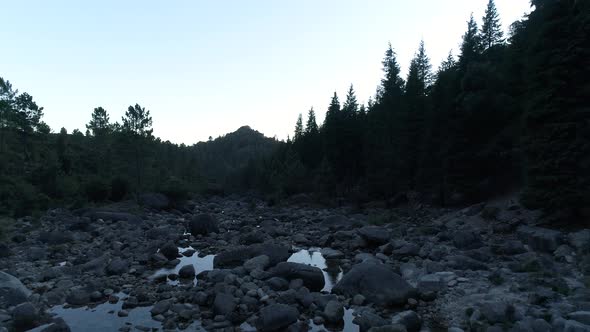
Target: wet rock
<point>278,284</point>
<point>430,283</point>
<point>187,272</point>
<point>223,304</point>
<point>388,328</point>
<point>276,317</point>
<point>409,319</point>
<point>117,266</point>
<point>170,251</point>
<point>203,224</point>
<point>407,249</point>
<point>12,291</point>
<point>78,297</point>
<point>540,239</point>
<point>330,253</point>
<point>312,277</point>
<point>160,307</point>
<point>333,312</point>
<point>377,283</point>
<point>367,320</point>
<point>358,299</point>
<point>25,316</point>
<point>374,234</point>
<point>252,237</point>
<point>257,263</point>
<point>237,256</point>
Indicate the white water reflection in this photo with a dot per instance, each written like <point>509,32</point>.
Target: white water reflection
<point>201,264</point>
<point>330,268</point>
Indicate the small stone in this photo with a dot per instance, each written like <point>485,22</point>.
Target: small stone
<point>358,299</point>
<point>123,313</point>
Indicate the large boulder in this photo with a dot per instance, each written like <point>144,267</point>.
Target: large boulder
<point>276,317</point>
<point>333,312</point>
<point>170,251</point>
<point>12,291</point>
<point>239,255</point>
<point>25,316</point>
<point>312,277</point>
<point>117,266</point>
<point>540,239</point>
<point>203,224</point>
<point>155,201</point>
<point>377,283</point>
<point>374,234</point>
<point>187,272</point>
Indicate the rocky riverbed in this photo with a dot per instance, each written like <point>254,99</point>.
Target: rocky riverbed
<point>233,265</point>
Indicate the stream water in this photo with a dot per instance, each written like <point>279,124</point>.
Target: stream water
<point>103,317</point>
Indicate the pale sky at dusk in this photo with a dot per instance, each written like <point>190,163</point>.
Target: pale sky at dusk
<point>205,68</point>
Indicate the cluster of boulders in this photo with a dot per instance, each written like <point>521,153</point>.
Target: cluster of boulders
<point>484,268</point>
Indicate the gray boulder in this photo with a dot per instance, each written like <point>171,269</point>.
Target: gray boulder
<point>203,224</point>
<point>258,262</point>
<point>117,266</point>
<point>187,272</point>
<point>374,234</point>
<point>377,283</point>
<point>333,312</point>
<point>312,277</point>
<point>78,297</point>
<point>12,291</point>
<point>239,255</point>
<point>160,308</point>
<point>409,319</point>
<point>276,317</point>
<point>170,251</point>
<point>540,239</point>
<point>25,316</point>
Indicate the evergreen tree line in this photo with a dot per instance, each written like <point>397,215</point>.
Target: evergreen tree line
<point>509,112</point>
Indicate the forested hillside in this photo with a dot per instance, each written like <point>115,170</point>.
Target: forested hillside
<point>509,112</point>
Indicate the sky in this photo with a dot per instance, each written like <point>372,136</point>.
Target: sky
<point>206,68</point>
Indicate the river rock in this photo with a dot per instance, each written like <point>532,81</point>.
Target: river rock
<point>374,234</point>
<point>12,291</point>
<point>258,262</point>
<point>540,239</point>
<point>25,316</point>
<point>170,251</point>
<point>223,304</point>
<point>377,283</point>
<point>187,272</point>
<point>276,317</point>
<point>333,312</point>
<point>238,255</point>
<point>312,277</point>
<point>117,266</point>
<point>409,319</point>
<point>203,224</point>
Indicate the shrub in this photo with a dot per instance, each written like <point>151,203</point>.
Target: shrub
<point>119,188</point>
<point>175,189</point>
<point>97,190</point>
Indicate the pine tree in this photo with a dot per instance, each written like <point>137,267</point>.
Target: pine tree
<point>469,45</point>
<point>298,129</point>
<point>491,30</point>
<point>138,121</point>
<point>392,84</point>
<point>351,105</point>
<point>99,123</point>
<point>311,127</point>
